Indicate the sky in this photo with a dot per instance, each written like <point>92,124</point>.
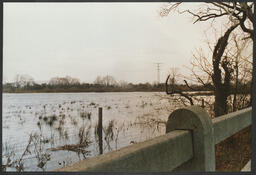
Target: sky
<point>86,40</point>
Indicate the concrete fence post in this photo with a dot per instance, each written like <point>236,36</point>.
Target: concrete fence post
<point>197,120</point>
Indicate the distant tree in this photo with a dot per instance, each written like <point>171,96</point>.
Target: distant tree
<point>174,73</point>
<point>130,85</point>
<point>23,80</point>
<point>155,83</point>
<point>58,81</point>
<point>148,85</point>
<point>123,84</point>
<point>72,81</point>
<point>106,81</point>
<point>98,80</point>
<point>64,81</point>
<point>109,81</point>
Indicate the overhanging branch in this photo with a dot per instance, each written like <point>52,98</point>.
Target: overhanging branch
<point>177,92</point>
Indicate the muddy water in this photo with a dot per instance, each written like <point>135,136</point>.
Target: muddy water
<point>132,115</point>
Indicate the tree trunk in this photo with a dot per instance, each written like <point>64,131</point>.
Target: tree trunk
<point>220,104</point>
<point>221,90</point>
<point>236,86</point>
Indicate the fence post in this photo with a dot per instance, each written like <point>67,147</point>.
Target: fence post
<point>99,129</point>
<point>203,103</point>
<point>195,119</point>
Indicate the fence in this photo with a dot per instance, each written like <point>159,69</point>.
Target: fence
<point>188,145</point>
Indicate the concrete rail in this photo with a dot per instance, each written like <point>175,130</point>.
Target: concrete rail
<point>229,124</point>
<point>188,145</point>
<point>161,153</point>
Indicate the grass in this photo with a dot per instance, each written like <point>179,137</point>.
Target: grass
<point>233,153</point>
<point>85,115</point>
<point>53,117</point>
<point>45,119</point>
<point>74,122</point>
<point>81,147</point>
<point>92,104</point>
<point>35,144</point>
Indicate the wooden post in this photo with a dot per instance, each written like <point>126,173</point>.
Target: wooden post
<point>203,103</point>
<point>100,131</point>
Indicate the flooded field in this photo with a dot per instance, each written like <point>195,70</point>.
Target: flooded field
<point>45,131</point>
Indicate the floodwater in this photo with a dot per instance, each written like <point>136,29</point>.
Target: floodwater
<point>58,119</point>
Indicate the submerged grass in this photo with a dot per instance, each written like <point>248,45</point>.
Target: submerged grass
<point>61,121</point>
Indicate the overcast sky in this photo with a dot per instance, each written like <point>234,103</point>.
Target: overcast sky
<point>86,40</point>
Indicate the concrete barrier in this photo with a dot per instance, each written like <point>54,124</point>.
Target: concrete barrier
<point>188,145</point>
<point>196,120</point>
<point>229,124</point>
<point>152,155</point>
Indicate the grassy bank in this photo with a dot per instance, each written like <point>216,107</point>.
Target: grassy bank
<point>233,153</point>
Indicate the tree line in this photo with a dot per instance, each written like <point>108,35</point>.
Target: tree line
<point>25,83</point>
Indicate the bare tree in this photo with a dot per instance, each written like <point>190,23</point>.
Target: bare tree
<point>240,56</point>
<point>98,80</point>
<point>172,79</point>
<point>24,80</point>
<point>123,84</point>
<point>72,81</point>
<point>239,14</point>
<point>109,81</point>
<point>105,81</point>
<point>64,81</point>
<point>174,74</point>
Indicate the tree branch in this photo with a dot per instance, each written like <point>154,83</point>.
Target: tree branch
<point>177,92</point>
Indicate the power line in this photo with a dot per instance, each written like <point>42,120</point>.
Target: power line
<point>158,71</point>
